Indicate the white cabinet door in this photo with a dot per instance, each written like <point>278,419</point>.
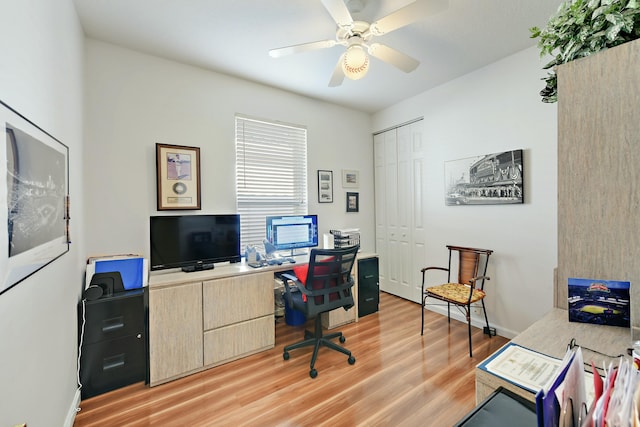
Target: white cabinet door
<point>175,331</point>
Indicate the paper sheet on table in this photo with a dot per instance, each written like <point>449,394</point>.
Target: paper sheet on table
<point>524,367</point>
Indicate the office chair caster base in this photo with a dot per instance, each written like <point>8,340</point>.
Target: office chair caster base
<point>351,360</point>
<point>285,355</point>
<point>342,339</point>
<point>313,373</point>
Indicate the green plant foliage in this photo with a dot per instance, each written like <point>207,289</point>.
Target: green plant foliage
<point>583,27</point>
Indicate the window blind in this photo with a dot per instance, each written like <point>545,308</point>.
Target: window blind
<point>271,174</point>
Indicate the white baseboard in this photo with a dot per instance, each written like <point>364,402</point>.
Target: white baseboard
<point>73,410</point>
<point>478,322</point>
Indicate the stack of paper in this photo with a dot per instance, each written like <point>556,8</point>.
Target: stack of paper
<point>573,398</point>
<point>563,400</point>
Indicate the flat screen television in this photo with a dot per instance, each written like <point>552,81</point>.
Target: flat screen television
<point>194,242</point>
<point>292,232</point>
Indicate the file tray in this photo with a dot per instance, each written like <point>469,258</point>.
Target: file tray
<point>345,238</point>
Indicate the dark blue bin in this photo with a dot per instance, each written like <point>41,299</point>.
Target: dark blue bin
<point>293,317</point>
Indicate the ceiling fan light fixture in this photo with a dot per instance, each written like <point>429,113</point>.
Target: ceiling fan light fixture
<point>355,63</point>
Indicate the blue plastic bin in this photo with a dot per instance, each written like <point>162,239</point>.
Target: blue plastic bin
<point>293,317</point>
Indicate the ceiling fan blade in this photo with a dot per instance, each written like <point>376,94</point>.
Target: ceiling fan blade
<point>338,75</point>
<point>393,57</point>
<point>298,48</point>
<point>407,15</point>
<point>339,12</point>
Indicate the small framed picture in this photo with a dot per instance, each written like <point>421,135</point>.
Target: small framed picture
<point>350,178</point>
<point>178,177</point>
<point>325,186</point>
<point>353,202</point>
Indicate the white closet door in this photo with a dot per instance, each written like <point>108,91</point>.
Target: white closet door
<point>418,207</point>
<point>380,207</point>
<point>391,210</point>
<point>399,186</point>
<point>404,201</point>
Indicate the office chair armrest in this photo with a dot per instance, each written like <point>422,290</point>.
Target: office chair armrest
<point>291,278</point>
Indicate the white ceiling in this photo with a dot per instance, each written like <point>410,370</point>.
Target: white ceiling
<point>235,36</point>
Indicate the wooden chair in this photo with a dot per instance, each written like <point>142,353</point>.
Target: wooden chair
<point>468,290</point>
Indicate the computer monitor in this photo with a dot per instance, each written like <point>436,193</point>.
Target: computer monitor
<point>292,232</point>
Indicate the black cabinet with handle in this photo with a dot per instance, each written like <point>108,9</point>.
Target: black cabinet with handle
<point>368,286</point>
<point>114,342</point>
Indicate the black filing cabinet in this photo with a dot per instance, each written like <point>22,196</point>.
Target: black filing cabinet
<point>114,342</point>
<point>368,286</point>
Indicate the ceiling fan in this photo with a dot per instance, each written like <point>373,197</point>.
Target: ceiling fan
<point>356,36</point>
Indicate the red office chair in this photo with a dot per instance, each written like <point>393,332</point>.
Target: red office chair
<point>327,286</point>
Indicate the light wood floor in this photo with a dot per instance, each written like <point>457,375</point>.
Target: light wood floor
<point>399,379</point>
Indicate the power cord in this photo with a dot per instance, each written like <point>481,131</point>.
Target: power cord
<point>84,302</point>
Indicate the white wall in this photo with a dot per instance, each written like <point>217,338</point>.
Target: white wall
<point>494,109</point>
<point>41,72</point>
<point>135,101</point>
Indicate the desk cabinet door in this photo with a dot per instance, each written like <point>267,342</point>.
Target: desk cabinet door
<point>238,340</point>
<point>175,331</point>
<point>236,299</point>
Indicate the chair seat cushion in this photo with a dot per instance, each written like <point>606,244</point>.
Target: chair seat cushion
<point>455,292</point>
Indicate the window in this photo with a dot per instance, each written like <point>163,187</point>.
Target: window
<point>271,174</point>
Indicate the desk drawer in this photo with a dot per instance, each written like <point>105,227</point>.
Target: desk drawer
<point>114,317</point>
<point>112,364</point>
<point>238,340</point>
<point>231,300</point>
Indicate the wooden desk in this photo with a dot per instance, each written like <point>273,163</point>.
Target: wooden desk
<point>203,319</point>
<point>550,335</point>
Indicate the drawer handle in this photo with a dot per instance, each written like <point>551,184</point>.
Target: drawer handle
<point>369,276</point>
<point>113,362</point>
<point>369,299</point>
<point>110,325</point>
